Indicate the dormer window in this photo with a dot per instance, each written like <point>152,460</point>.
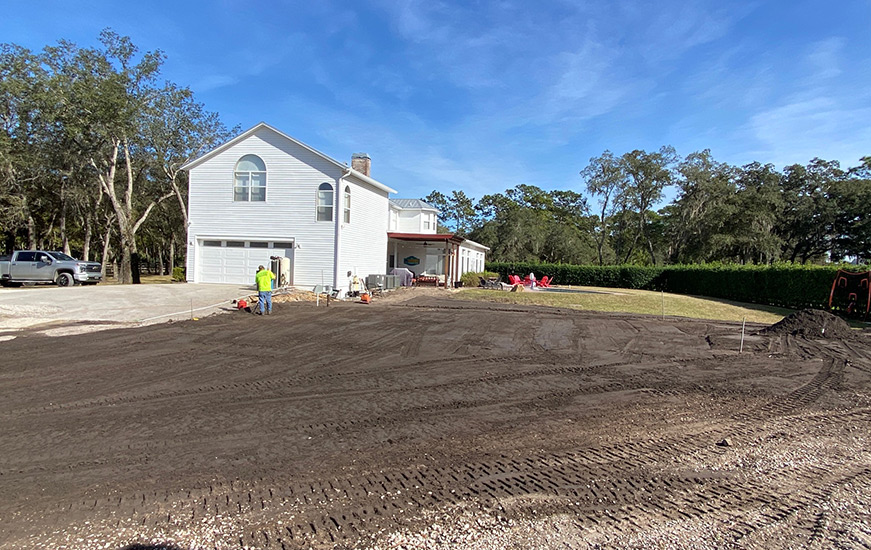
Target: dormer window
<point>250,180</point>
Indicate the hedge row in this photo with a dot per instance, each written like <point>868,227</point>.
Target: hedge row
<point>786,285</point>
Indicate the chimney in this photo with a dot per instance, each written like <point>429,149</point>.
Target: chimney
<point>361,163</point>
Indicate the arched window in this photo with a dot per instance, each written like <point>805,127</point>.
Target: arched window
<point>347,204</point>
<point>325,202</point>
<point>250,181</point>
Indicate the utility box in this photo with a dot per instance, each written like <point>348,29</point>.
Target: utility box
<point>280,265</point>
<point>387,282</point>
<point>373,281</point>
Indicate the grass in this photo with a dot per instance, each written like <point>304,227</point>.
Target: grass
<point>144,279</point>
<point>635,301</point>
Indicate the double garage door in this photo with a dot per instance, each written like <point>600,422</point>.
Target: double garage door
<point>236,262</point>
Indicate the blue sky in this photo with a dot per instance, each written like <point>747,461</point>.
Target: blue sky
<point>483,96</point>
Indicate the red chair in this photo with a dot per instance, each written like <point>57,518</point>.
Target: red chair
<point>514,280</point>
<point>545,281</point>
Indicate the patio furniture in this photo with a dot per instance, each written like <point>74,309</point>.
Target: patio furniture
<point>427,280</point>
<point>492,282</point>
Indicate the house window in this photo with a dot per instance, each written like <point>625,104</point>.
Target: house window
<point>325,202</point>
<point>250,181</point>
<point>426,222</point>
<point>347,204</point>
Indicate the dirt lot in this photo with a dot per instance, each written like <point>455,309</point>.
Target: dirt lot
<point>432,423</point>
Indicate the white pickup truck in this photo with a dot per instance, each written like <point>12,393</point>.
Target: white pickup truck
<point>39,266</point>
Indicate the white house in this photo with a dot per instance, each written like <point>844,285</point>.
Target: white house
<point>415,244</point>
<point>265,194</point>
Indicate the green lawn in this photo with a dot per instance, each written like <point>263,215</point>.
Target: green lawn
<point>635,301</point>
<point>144,279</point>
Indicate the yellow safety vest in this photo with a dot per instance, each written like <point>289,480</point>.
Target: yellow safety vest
<point>264,280</point>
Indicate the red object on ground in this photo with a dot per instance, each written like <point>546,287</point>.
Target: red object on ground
<point>851,293</point>
<point>241,304</point>
<point>365,298</point>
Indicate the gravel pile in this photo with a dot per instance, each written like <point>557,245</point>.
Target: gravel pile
<point>812,323</point>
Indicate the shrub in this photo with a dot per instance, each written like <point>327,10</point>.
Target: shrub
<point>470,279</point>
<point>178,274</point>
<point>794,286</point>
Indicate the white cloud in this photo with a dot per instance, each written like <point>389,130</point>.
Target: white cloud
<point>824,58</point>
<point>813,127</point>
<point>213,82</point>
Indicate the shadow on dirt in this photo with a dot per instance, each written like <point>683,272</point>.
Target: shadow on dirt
<point>151,547</point>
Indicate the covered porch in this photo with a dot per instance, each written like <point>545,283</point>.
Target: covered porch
<point>431,257</point>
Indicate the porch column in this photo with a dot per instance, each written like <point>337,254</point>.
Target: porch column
<point>447,265</point>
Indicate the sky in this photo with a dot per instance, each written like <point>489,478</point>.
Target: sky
<point>481,96</point>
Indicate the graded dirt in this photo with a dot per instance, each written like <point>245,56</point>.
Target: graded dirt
<point>423,422</point>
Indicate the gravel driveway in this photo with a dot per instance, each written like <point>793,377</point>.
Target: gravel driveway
<point>55,311</point>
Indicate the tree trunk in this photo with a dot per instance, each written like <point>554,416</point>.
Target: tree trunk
<point>10,241</point>
<point>107,239</point>
<point>65,240</point>
<point>125,216</point>
<point>171,254</point>
<point>31,233</point>
<point>160,266</point>
<point>650,250</point>
<point>86,242</point>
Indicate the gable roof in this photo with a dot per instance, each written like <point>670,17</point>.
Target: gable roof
<point>416,204</point>
<point>248,133</point>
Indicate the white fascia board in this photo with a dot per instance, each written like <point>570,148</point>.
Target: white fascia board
<point>473,244</point>
<point>366,179</point>
<point>360,176</point>
<point>242,237</point>
<point>248,133</point>
<point>416,209</point>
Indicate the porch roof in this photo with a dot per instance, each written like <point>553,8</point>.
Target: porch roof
<point>435,237</point>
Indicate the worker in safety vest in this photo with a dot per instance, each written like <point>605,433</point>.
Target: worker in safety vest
<point>264,279</point>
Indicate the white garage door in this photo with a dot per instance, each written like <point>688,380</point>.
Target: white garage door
<point>236,262</point>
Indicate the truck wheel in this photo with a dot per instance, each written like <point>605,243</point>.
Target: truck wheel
<point>65,279</point>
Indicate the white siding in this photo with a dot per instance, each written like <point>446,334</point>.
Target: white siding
<point>471,257</point>
<point>393,224</point>
<point>409,221</point>
<point>363,242</point>
<point>293,176</point>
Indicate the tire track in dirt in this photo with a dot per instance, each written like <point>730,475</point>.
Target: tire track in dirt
<point>609,485</point>
<point>622,486</point>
